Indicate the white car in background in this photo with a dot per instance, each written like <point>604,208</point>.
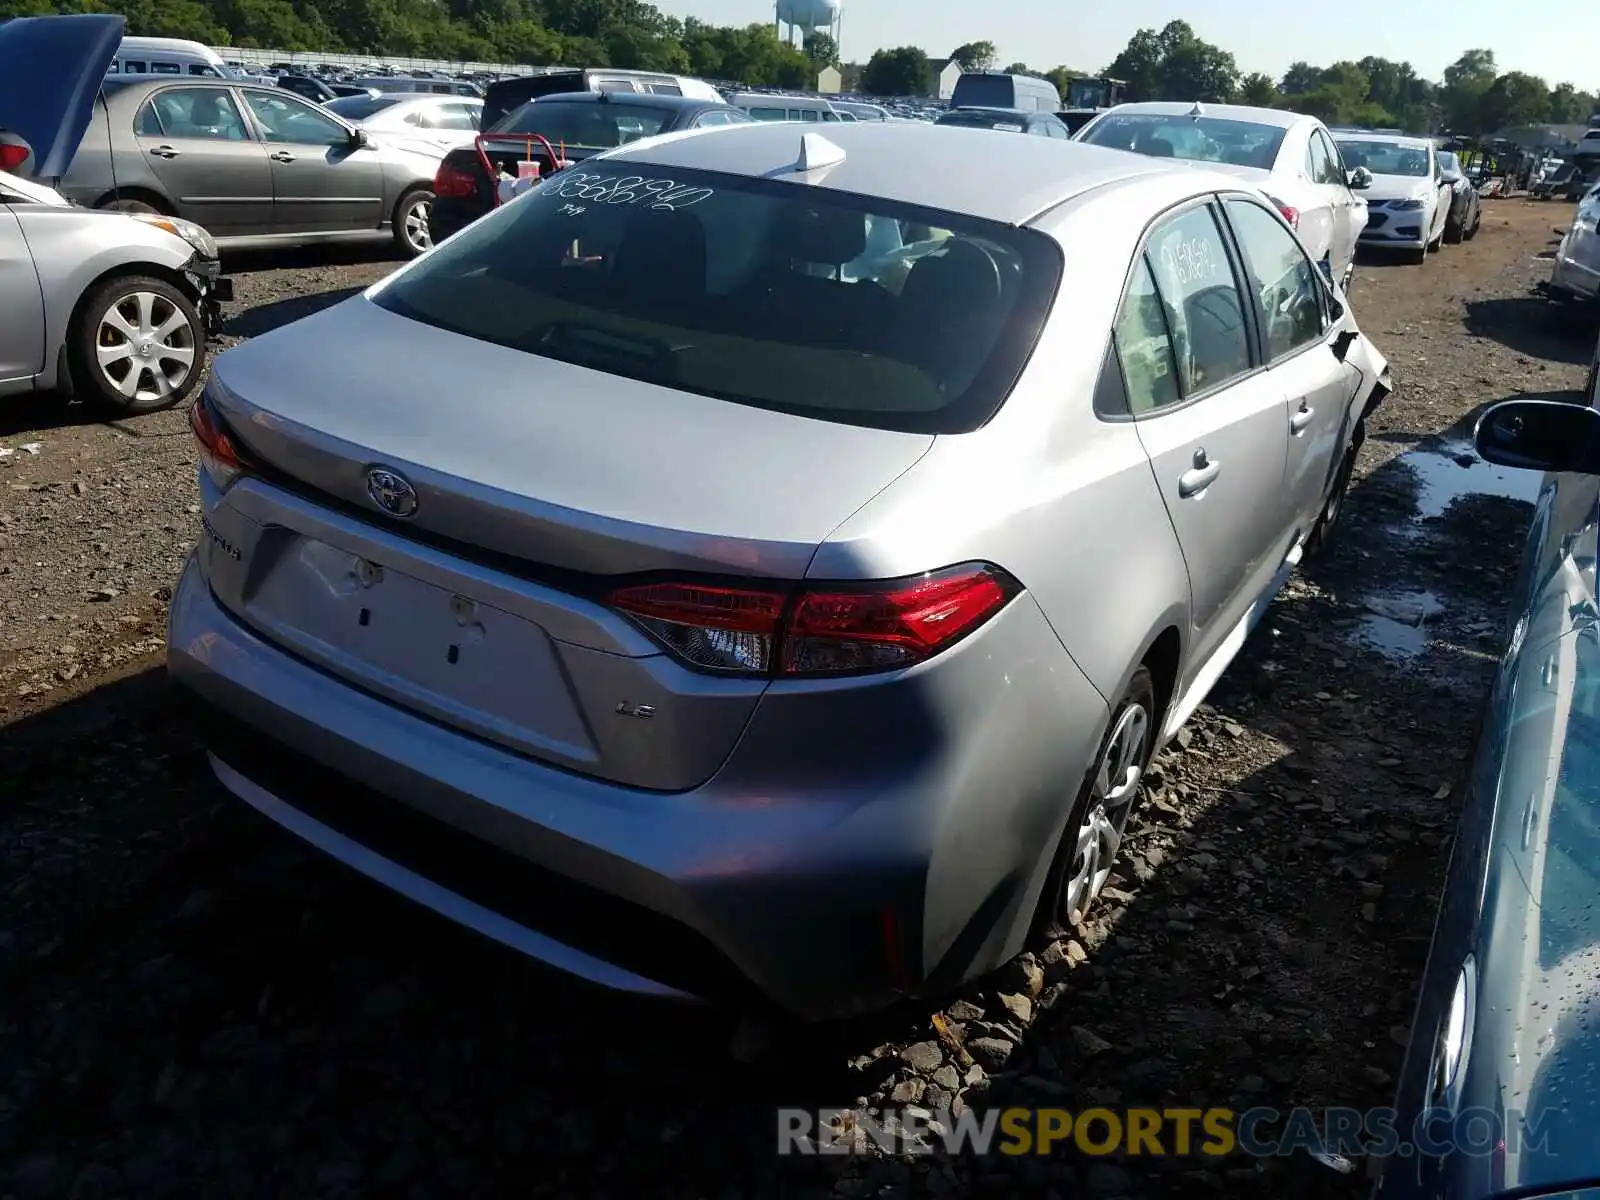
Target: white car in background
<point>1575,273</point>
<point>1408,201</point>
<point>424,124</point>
<point>1289,156</point>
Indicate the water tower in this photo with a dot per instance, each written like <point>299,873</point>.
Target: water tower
<point>807,17</point>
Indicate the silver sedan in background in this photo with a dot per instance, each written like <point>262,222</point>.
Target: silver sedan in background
<point>111,307</point>
<point>752,562</point>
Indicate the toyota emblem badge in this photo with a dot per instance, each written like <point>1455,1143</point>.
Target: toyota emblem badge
<point>392,492</point>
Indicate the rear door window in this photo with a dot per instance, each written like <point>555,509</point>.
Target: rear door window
<point>182,112</point>
<point>1204,309</point>
<point>755,291</point>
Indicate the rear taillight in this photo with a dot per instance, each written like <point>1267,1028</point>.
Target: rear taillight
<point>454,183</point>
<point>1291,214</point>
<point>12,155</point>
<point>837,629</point>
<point>219,457</point>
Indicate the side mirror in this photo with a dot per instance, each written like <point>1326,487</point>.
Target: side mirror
<point>1342,341</point>
<point>1540,435</point>
<point>1360,179</point>
<point>359,138</point>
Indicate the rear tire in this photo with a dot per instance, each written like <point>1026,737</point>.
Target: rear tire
<point>137,345</point>
<point>412,232</point>
<point>1099,817</point>
<point>1328,520</point>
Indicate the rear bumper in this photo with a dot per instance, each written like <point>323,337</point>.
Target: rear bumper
<point>826,871</point>
<point>448,216</point>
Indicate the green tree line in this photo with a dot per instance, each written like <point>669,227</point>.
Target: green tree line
<point>1172,63</point>
<point>617,33</point>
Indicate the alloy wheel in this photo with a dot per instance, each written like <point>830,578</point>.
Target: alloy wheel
<point>1112,791</point>
<point>145,346</point>
<point>417,234</point>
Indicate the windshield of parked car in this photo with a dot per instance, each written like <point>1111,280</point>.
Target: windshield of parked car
<point>984,118</point>
<point>359,108</point>
<point>761,292</point>
<point>596,125</point>
<point>1385,158</point>
<point>1198,139</point>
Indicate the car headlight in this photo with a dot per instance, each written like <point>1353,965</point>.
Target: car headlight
<point>197,237</point>
<point>1407,204</point>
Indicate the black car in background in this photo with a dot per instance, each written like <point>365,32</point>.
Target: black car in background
<point>1008,120</point>
<point>577,125</point>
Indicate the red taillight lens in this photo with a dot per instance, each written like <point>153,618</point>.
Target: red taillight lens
<point>12,155</point>
<point>721,628</point>
<point>218,455</point>
<point>1291,214</point>
<point>453,182</point>
<point>818,631</point>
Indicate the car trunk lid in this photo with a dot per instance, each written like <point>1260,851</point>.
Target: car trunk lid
<point>539,486</point>
<point>51,69</point>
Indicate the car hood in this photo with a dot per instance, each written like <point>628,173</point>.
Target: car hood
<point>36,192</point>
<point>51,69</point>
<point>1399,187</point>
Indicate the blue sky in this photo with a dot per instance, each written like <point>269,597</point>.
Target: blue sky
<point>1552,38</point>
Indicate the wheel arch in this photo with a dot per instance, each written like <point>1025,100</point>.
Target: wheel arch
<point>151,270</point>
<point>148,195</point>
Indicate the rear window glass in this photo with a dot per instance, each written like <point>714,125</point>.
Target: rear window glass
<point>1199,139</point>
<point>765,293</point>
<point>594,126</point>
<point>1009,122</point>
<point>359,108</point>
<point>1000,91</point>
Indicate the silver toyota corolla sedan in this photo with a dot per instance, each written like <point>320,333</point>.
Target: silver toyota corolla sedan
<point>755,563</point>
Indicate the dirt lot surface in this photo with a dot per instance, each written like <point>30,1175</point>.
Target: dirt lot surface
<point>194,1005</point>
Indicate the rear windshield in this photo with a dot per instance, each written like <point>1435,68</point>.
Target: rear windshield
<point>761,292</point>
<point>596,125</point>
<point>1385,158</point>
<point>359,108</point>
<point>1199,139</point>
<point>1009,122</point>
<point>997,90</point>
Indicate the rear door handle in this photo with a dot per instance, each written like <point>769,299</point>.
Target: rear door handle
<point>1299,421</point>
<point>281,156</point>
<point>1199,477</point>
<point>164,152</point>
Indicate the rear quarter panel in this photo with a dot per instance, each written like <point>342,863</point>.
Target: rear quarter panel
<point>1063,499</point>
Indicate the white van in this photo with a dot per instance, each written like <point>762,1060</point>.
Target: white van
<point>167,56</point>
<point>763,107</point>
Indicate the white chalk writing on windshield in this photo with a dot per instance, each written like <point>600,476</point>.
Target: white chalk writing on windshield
<point>666,195</point>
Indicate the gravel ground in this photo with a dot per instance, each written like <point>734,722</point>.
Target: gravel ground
<point>195,1005</point>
